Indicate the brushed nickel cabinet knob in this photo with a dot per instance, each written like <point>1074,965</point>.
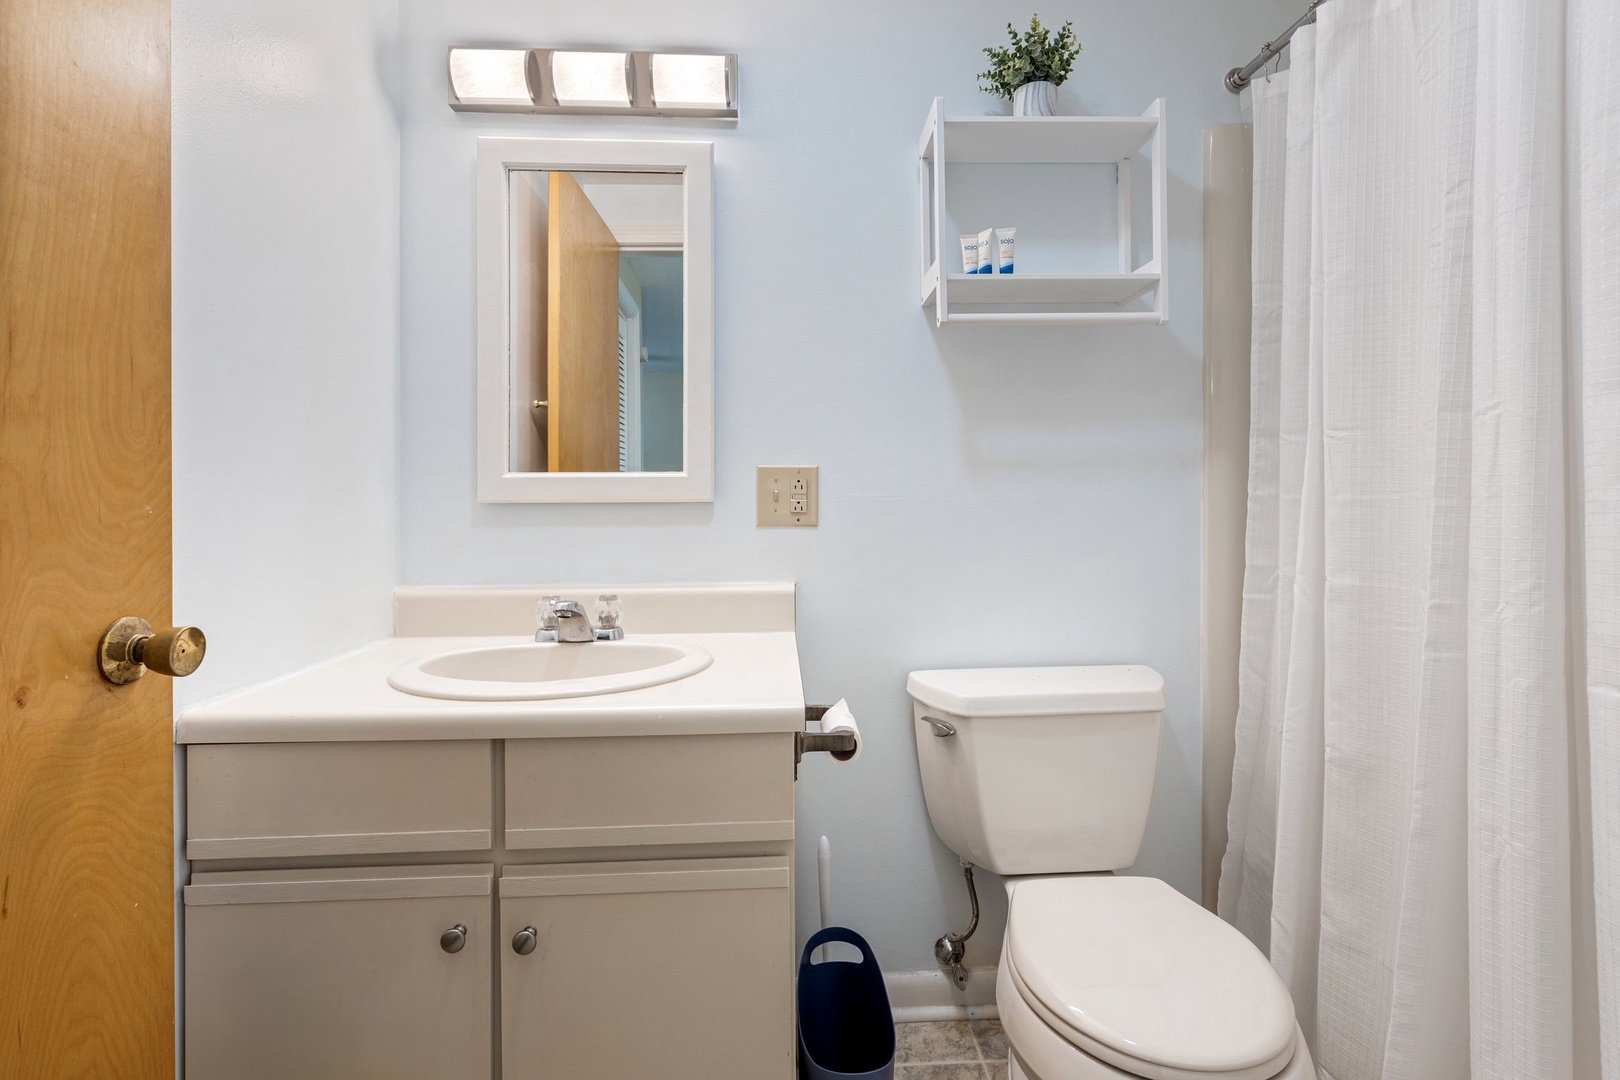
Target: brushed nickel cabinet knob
<point>454,939</point>
<point>524,940</point>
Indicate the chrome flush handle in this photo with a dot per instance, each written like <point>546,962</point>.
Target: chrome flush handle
<point>942,729</point>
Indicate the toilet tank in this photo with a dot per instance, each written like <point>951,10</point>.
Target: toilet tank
<point>1050,770</point>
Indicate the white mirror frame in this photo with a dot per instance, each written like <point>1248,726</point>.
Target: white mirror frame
<point>498,157</point>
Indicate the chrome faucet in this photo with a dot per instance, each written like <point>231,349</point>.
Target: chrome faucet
<point>572,625</point>
<point>565,620</point>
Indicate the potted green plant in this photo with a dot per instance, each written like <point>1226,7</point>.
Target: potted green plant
<point>1031,68</point>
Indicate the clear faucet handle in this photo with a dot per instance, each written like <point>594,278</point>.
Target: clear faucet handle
<point>545,612</point>
<point>609,611</point>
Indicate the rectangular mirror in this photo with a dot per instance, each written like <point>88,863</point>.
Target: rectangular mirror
<point>595,321</point>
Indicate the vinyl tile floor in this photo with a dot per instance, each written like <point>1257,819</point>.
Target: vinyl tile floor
<point>950,1050</point>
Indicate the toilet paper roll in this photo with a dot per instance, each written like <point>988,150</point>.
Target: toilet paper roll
<point>839,718</point>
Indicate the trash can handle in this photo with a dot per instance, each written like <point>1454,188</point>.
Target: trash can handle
<point>837,933</point>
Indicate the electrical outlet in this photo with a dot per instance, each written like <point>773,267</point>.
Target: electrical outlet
<point>787,495</point>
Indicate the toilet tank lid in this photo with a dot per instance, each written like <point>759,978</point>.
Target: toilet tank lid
<point>1039,691</point>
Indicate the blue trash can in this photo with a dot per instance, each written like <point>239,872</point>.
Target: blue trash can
<point>845,1026</point>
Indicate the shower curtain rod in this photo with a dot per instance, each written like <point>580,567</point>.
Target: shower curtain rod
<point>1239,77</point>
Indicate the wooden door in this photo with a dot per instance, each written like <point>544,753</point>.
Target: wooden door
<point>582,341</point>
<point>339,974</point>
<point>86,768</point>
<point>680,969</point>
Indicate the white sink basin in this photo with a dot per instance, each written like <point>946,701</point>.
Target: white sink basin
<point>533,671</point>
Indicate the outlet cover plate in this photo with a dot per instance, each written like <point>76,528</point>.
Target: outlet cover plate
<point>778,490</point>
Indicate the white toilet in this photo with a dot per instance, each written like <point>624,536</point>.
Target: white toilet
<point>1044,776</point>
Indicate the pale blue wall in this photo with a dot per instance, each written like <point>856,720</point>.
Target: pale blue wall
<point>989,495</point>
<point>286,331</point>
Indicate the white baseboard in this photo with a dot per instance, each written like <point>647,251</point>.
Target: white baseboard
<point>931,995</point>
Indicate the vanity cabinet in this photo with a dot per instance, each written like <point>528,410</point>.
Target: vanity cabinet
<point>652,876</point>
<point>335,974</point>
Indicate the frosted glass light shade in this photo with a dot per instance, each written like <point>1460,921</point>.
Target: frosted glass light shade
<point>687,81</point>
<point>490,76</point>
<point>593,79</point>
<point>636,82</point>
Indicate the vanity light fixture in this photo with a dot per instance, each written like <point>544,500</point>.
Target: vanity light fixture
<point>600,81</point>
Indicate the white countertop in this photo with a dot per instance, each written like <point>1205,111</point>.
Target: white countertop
<point>753,685</point>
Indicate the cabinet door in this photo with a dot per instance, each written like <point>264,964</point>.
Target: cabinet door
<point>338,974</point>
<point>680,970</point>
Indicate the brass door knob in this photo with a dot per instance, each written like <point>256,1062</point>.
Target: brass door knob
<point>129,647</point>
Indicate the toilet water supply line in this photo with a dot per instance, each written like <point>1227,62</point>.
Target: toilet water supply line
<point>950,949</point>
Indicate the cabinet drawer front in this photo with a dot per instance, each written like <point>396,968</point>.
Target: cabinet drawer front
<point>676,789</point>
<point>266,800</point>
<point>702,976</point>
<point>342,985</point>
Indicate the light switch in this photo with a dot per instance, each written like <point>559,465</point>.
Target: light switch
<point>786,495</point>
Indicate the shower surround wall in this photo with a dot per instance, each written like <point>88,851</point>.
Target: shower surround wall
<point>990,495</point>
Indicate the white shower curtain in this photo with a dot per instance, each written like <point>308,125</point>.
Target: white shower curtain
<point>1425,816</point>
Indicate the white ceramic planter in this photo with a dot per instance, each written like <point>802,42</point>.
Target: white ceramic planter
<point>1035,99</point>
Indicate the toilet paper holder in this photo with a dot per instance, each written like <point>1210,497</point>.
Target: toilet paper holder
<point>837,743</point>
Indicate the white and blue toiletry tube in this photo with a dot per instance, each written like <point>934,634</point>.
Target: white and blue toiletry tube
<point>1004,249</point>
<point>987,252</point>
<point>970,253</point>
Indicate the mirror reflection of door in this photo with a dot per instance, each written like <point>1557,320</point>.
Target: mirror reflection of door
<point>582,368</point>
<point>597,321</point>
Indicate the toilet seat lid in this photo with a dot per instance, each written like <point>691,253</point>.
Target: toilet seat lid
<point>1133,965</point>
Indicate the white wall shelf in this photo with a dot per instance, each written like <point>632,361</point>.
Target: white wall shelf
<point>1044,298</point>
